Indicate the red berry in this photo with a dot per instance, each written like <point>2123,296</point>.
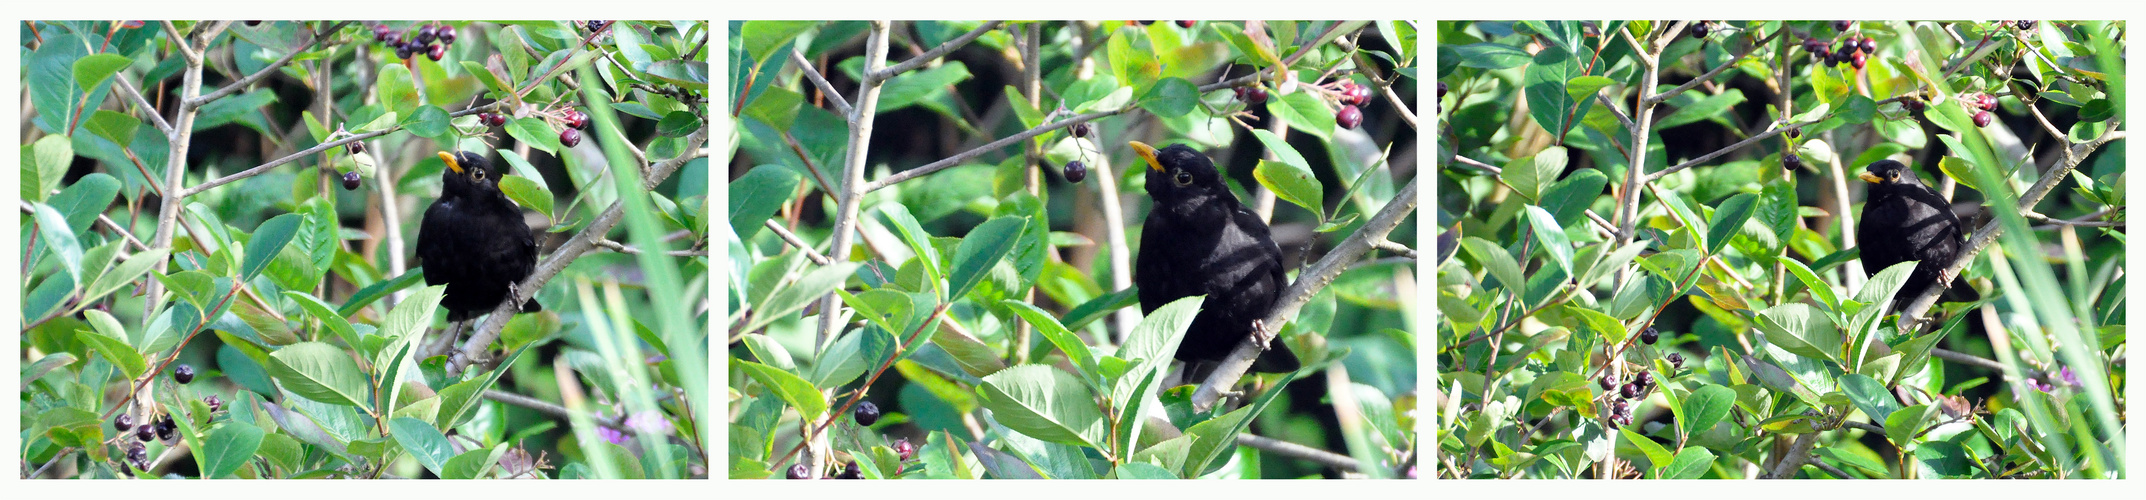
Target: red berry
<point>1076,171</point>
<point>866,413</point>
<point>578,119</point>
<point>123,423</point>
<point>183,374</point>
<point>1186,24</point>
<point>1255,95</point>
<point>570,137</point>
<point>1989,102</point>
<point>1983,118</point>
<point>906,450</point>
<point>799,471</point>
<point>1349,117</point>
<point>435,52</point>
<point>447,35</point>
<point>350,180</point>
<point>381,33</point>
<point>1859,59</point>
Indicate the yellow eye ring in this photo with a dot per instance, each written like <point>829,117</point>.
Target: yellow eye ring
<point>478,173</point>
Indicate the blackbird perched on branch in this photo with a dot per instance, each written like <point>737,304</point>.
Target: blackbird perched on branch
<point>474,241</point>
<point>1199,240</point>
<point>1904,220</point>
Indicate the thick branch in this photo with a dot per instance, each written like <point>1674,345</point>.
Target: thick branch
<point>582,242</point>
<point>1308,283</point>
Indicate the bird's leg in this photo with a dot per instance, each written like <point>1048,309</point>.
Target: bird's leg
<point>1261,335</point>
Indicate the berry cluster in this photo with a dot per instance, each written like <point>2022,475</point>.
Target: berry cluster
<point>1982,104</point>
<point>1352,97</point>
<point>1251,94</point>
<point>572,120</point>
<point>161,427</point>
<point>1634,390</point>
<point>1852,50</point>
<point>420,41</point>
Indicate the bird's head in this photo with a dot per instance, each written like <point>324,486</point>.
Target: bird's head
<point>468,173</point>
<point>1890,173</point>
<point>1179,172</point>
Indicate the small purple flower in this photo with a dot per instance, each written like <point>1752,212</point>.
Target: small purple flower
<point>2069,377</point>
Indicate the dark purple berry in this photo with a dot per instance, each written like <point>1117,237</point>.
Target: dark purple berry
<point>183,374</point>
<point>1619,407</point>
<point>402,52</point>
<point>1823,54</point>
<point>1076,171</point>
<point>145,432</point>
<point>1870,46</point>
<point>428,33</point>
<point>216,404</point>
<point>1441,90</point>
<point>1082,129</point>
<point>1650,335</point>
<point>1606,382</point>
<point>1629,391</point>
<point>1842,25</point>
<point>2024,25</point>
<point>1349,117</point>
<point>570,137</point>
<point>165,428</point>
<point>578,119</point>
<point>1644,380</point>
<point>799,471</point>
<point>139,453</point>
<point>595,26</point>
<point>1699,29</point>
<point>1983,118</point>
<point>906,450</point>
<point>1675,360</point>
<point>850,471</point>
<point>1255,95</point>
<point>435,52</point>
<point>1186,24</point>
<point>866,413</point>
<point>123,423</point>
<point>447,35</point>
<point>1791,161</point>
<point>1911,104</point>
<point>1145,23</point>
<point>1795,132</point>
<point>381,33</point>
<point>253,23</point>
<point>350,180</point>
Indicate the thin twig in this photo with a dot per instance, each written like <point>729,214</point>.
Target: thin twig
<point>1710,74</point>
<point>930,55</point>
<point>271,164</point>
<point>1338,461</point>
<point>794,241</point>
<point>834,97</point>
<point>270,69</point>
<point>1725,150</point>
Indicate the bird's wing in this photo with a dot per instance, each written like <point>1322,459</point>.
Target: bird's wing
<point>1151,270</point>
<point>434,248</point>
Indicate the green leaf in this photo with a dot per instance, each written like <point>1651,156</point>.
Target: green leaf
<point>229,447</point>
<point>1870,395</point>
<point>320,372</point>
<point>1706,407</point>
<point>678,124</point>
<point>1489,55</point>
<point>396,90</point>
<point>1306,112</point>
<point>113,126</point>
<point>44,163</point>
<point>429,445</point>
<point>980,251</point>
<point>428,121</point>
<point>756,196</point>
<point>1657,456</point>
<point>53,232</point>
<point>763,38</point>
<point>473,463</point>
<point>1881,287</point>
<point>793,297</point>
<point>919,242</point>
<point>1550,237</point>
<point>93,70</point>
<point>1281,149</point>
<point>1066,342</point>
<point>319,310</point>
<point>1543,86</point>
<point>1728,219</point>
<point>1584,88</point>
<point>1170,98</point>
<point>268,240</point>
<point>1293,184</point>
<point>527,193</point>
<point>1497,260</point>
<point>1705,108</point>
<point>1044,403</point>
<point>1691,463</point>
<point>1529,175</point>
<point>788,386</point>
<point>536,133</point>
<point>1819,289</point>
<point>116,351</point>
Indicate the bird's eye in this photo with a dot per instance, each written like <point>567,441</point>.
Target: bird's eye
<point>476,173</point>
<point>1183,178</point>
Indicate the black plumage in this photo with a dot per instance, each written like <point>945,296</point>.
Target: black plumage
<point>1199,240</point>
<point>474,241</point>
<point>1903,220</point>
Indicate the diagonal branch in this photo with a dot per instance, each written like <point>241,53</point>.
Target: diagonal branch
<point>827,89</point>
<point>1308,283</point>
<point>1658,175</point>
<point>934,54</point>
<point>1665,95</point>
<point>265,167</point>
<point>271,68</point>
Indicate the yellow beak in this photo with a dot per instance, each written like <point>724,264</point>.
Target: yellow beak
<point>451,163</point>
<point>1872,178</point>
<point>1147,152</point>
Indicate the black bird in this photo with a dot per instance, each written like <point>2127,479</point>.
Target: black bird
<point>1199,240</point>
<point>474,241</point>
<point>1904,220</point>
